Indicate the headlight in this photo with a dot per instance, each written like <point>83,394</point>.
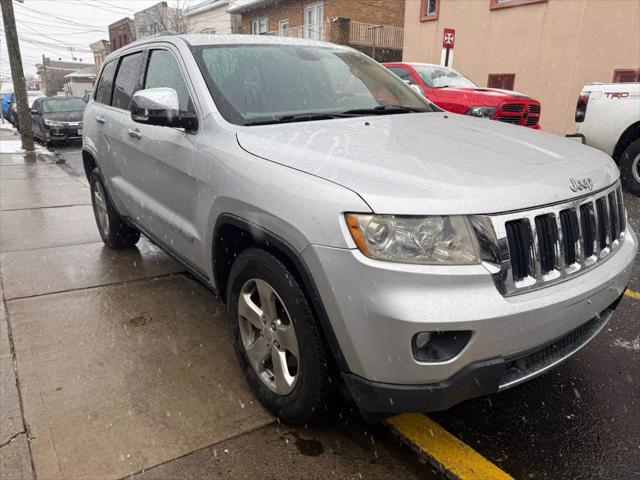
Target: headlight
<point>482,112</point>
<point>53,123</point>
<point>425,240</point>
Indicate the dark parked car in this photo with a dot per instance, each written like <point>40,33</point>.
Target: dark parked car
<point>13,108</point>
<point>57,118</point>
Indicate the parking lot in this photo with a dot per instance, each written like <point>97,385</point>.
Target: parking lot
<point>124,368</point>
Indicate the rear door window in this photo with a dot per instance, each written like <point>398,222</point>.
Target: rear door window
<point>105,85</point>
<point>127,80</point>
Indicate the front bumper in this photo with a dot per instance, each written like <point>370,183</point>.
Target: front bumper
<point>64,133</point>
<point>377,307</point>
<point>378,399</point>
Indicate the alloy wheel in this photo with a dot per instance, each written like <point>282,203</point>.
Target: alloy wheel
<point>635,168</point>
<point>268,336</point>
<point>100,208</point>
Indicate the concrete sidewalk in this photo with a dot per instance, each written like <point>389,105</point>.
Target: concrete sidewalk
<point>114,363</point>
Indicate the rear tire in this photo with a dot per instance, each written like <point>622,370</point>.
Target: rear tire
<point>630,167</point>
<point>114,232</point>
<point>303,391</point>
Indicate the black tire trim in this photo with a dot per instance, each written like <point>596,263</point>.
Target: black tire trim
<point>262,237</point>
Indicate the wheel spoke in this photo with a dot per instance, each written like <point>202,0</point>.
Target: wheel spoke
<point>283,380</point>
<point>286,336</point>
<point>267,300</point>
<point>257,353</point>
<point>249,310</point>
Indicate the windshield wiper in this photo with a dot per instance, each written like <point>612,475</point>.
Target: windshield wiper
<point>383,109</point>
<point>301,117</point>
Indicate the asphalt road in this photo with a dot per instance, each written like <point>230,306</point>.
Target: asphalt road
<point>579,421</point>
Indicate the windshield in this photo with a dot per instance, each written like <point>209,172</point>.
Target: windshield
<point>31,99</point>
<point>439,77</point>
<point>252,83</point>
<point>63,105</point>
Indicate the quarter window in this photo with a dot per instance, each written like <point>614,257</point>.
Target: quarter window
<point>164,71</point>
<point>127,80</point>
<point>105,84</point>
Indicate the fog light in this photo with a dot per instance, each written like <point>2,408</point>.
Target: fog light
<point>438,346</point>
<point>421,339</point>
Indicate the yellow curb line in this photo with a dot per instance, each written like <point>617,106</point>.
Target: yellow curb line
<point>632,294</point>
<point>446,452</point>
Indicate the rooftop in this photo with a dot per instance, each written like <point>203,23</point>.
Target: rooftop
<point>241,6</point>
<point>205,6</point>
<point>89,72</point>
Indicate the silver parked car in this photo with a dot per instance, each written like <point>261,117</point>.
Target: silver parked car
<point>364,241</point>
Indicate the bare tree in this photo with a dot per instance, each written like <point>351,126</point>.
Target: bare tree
<point>162,18</point>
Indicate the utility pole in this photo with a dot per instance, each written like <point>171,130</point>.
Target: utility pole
<point>17,75</point>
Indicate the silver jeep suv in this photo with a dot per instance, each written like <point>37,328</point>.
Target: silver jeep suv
<point>365,242</point>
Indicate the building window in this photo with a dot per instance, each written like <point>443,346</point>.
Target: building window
<point>283,26</point>
<point>260,26</point>
<point>314,21</point>
<point>511,3</point>
<point>504,81</point>
<point>429,10</point>
<point>626,75</point>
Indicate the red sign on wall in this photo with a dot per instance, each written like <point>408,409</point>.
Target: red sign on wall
<point>449,38</point>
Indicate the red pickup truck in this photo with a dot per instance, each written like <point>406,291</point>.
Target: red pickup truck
<point>452,91</point>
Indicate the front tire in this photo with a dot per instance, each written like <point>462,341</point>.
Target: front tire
<point>630,167</point>
<point>114,232</point>
<point>277,339</point>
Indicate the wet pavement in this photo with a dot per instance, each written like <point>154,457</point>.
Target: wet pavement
<point>120,363</point>
<point>124,367</point>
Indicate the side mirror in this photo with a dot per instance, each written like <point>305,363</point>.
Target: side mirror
<point>161,107</point>
<point>35,112</point>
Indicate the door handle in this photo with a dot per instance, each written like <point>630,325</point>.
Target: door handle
<point>134,133</point>
<point>100,120</point>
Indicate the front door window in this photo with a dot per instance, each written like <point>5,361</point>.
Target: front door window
<point>313,21</point>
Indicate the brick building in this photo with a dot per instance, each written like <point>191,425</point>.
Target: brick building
<point>373,26</point>
<point>121,33</point>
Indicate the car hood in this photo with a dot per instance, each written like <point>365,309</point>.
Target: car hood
<point>476,96</point>
<point>65,116</point>
<point>434,162</point>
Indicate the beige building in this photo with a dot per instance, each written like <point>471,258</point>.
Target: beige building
<point>547,49</point>
<point>211,16</point>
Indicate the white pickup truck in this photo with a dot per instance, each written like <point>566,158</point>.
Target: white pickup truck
<point>608,118</point>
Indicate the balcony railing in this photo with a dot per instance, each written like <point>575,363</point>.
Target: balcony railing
<point>318,31</point>
<point>365,34</point>
<point>381,36</point>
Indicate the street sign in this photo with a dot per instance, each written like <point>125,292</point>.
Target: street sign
<point>448,38</point>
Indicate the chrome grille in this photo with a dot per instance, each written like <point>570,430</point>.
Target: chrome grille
<point>541,247</point>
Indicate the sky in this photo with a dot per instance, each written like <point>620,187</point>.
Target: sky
<point>50,27</point>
